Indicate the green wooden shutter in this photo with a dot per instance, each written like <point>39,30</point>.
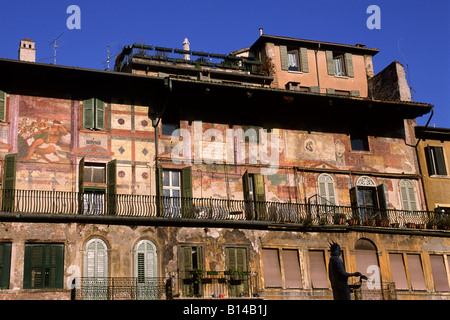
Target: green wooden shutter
<point>2,106</point>
<point>349,64</point>
<point>440,161</point>
<point>330,63</point>
<point>9,182</point>
<point>5,265</point>
<point>159,192</point>
<point>304,59</point>
<point>88,114</point>
<point>186,192</point>
<point>381,196</point>
<point>99,114</point>
<point>283,57</point>
<point>111,188</point>
<point>260,197</point>
<point>81,186</point>
<point>429,161</point>
<point>43,266</point>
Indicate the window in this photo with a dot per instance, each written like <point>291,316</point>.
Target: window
<point>435,161</point>
<point>339,64</point>
<point>272,271</point>
<point>416,272</point>
<point>398,271</point>
<point>237,261</point>
<point>96,259</point>
<point>97,181</point>
<point>326,189</point>
<point>281,268</point>
<point>294,59</point>
<point>171,193</point>
<point>293,64</point>
<point>408,195</point>
<point>145,270</point>
<point>191,260</point>
<point>440,277</point>
<point>43,266</point>
<point>5,264</point>
<point>359,139</point>
<point>174,192</point>
<point>96,268</point>
<point>366,259</point>
<point>95,172</point>
<point>168,129</point>
<point>94,114</point>
<point>318,269</point>
<point>254,196</point>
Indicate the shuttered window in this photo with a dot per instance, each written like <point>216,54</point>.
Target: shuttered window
<point>398,271</point>
<point>416,272</point>
<point>408,195</point>
<point>326,189</point>
<point>9,182</point>
<point>294,59</point>
<point>339,64</point>
<point>2,105</point>
<point>96,259</point>
<point>94,114</point>
<point>440,276</point>
<point>5,264</point>
<point>272,271</point>
<point>145,260</point>
<point>43,266</point>
<point>236,259</point>
<point>291,267</point>
<point>318,269</point>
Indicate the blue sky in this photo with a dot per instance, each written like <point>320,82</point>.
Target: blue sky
<point>415,33</point>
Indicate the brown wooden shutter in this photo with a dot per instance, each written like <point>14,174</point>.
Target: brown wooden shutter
<point>271,265</point>
<point>330,63</point>
<point>304,59</point>
<point>349,64</point>
<point>292,275</point>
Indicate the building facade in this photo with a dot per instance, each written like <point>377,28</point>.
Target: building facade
<point>192,174</point>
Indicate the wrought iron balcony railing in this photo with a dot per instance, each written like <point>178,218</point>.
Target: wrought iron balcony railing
<point>127,205</point>
<point>122,288</point>
<point>217,284</point>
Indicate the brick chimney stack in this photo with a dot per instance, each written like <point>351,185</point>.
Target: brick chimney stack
<point>27,50</point>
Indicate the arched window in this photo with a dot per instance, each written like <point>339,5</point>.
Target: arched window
<point>96,259</point>
<point>145,259</point>
<point>408,195</point>
<point>326,189</point>
<point>367,262</point>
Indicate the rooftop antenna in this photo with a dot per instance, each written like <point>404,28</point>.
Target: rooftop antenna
<point>108,52</point>
<point>55,47</point>
<point>407,69</point>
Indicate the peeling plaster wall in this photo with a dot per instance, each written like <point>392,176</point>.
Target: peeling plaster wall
<point>121,241</point>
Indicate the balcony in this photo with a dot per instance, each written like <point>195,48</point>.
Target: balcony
<point>26,203</point>
<point>121,288</point>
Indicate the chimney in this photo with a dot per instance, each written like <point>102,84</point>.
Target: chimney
<point>27,50</point>
<point>260,31</point>
<point>186,44</point>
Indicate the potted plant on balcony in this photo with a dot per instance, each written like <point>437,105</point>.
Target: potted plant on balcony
<point>382,221</point>
<point>339,218</point>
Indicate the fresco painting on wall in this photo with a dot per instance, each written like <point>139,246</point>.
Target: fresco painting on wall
<point>44,130</point>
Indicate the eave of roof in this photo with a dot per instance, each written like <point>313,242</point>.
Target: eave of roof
<point>315,44</point>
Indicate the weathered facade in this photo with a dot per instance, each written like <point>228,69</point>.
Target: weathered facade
<point>186,173</point>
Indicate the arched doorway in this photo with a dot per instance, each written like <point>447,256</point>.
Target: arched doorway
<point>367,263</point>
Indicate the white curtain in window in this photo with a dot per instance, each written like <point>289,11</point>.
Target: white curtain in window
<point>292,60</point>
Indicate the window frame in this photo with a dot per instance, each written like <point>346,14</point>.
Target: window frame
<point>47,272</point>
<point>436,162</point>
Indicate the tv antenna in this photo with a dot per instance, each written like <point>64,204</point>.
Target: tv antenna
<point>55,47</point>
<point>108,52</point>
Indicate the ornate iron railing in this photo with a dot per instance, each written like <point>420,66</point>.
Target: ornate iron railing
<point>129,205</point>
<point>122,288</point>
<point>217,284</point>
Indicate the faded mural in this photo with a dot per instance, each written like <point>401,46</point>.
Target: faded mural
<point>44,130</point>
